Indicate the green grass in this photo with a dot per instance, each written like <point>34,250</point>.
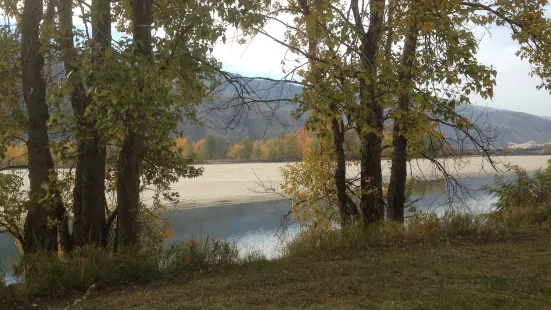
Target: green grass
<point>510,271</point>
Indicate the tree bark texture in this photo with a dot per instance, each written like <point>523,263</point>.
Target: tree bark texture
<point>370,119</point>
<point>345,208</point>
<point>396,196</point>
<point>89,193</point>
<point>131,154</point>
<point>38,236</point>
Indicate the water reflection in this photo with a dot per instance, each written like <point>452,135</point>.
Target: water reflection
<point>439,195</point>
<point>253,226</point>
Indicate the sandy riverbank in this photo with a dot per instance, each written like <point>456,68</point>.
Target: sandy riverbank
<point>239,182</point>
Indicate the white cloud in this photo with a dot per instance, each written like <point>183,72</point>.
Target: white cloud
<point>515,89</point>
<point>261,56</point>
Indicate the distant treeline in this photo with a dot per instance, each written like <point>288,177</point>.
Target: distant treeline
<point>289,146</point>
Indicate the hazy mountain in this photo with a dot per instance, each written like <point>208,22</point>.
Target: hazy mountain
<point>516,127</point>
<point>232,118</point>
<point>270,120</point>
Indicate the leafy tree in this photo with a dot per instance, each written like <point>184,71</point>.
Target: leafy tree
<point>273,149</point>
<point>199,149</point>
<point>257,150</point>
<point>89,204</point>
<point>236,151</point>
<point>311,185</point>
<point>184,146</point>
<point>128,97</point>
<point>242,150</point>
<point>13,202</point>
<point>210,146</point>
<point>215,147</point>
<point>403,57</point>
<point>247,148</point>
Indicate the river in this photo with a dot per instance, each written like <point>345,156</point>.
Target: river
<point>223,204</point>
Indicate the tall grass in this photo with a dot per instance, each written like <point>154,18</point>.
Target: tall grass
<point>421,227</point>
<point>50,275</point>
<point>194,255</point>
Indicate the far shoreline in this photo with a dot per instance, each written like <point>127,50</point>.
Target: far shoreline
<point>236,182</point>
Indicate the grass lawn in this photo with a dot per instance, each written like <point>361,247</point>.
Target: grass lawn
<point>513,272</point>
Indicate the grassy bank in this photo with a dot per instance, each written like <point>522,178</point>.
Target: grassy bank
<point>509,271</point>
<point>458,261</point>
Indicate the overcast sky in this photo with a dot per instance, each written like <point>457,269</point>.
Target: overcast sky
<point>515,89</point>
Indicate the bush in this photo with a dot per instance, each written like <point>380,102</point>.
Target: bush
<point>420,226</point>
<point>523,191</point>
<point>536,217</point>
<point>193,255</point>
<point>47,274</point>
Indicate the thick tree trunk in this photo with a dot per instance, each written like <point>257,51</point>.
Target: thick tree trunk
<point>128,189</point>
<point>396,196</point>
<point>89,193</point>
<point>371,180</point>
<point>38,236</point>
<point>131,155</point>
<point>370,118</point>
<point>340,171</point>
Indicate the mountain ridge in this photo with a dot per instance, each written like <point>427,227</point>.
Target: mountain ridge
<point>262,121</point>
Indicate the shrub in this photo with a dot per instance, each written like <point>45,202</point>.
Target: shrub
<point>47,274</point>
<point>419,226</point>
<point>523,191</point>
<point>193,255</point>
<point>536,217</point>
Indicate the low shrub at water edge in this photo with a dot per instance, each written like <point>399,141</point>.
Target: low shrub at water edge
<point>427,226</point>
<point>523,191</point>
<point>193,255</point>
<point>47,274</point>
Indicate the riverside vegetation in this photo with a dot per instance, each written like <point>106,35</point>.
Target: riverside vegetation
<point>105,97</point>
<point>390,265</point>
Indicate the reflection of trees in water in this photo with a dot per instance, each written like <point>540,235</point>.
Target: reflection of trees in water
<point>427,187</point>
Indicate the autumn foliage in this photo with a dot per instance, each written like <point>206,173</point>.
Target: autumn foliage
<point>15,155</point>
<point>289,146</point>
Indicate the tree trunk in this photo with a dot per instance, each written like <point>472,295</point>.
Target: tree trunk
<point>63,224</point>
<point>89,192</point>
<point>371,180</point>
<point>370,118</point>
<point>128,189</point>
<point>38,236</point>
<point>131,155</point>
<point>338,137</point>
<point>340,171</point>
<point>396,196</point>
